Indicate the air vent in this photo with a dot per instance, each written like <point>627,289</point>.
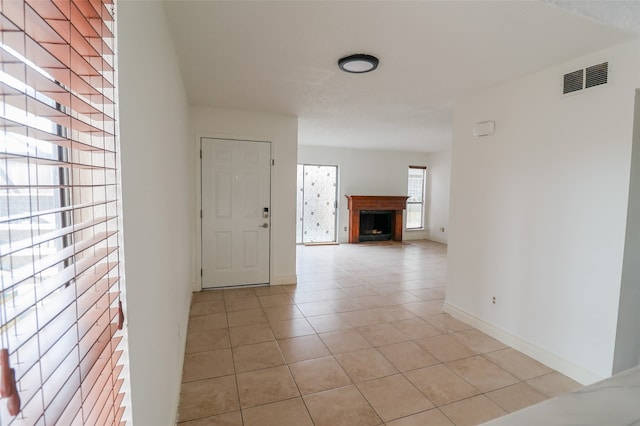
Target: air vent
<point>573,82</point>
<point>592,76</point>
<point>596,75</point>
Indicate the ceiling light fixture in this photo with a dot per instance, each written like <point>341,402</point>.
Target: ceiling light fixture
<point>358,63</point>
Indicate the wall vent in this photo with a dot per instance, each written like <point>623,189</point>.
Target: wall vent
<point>573,82</point>
<point>594,75</point>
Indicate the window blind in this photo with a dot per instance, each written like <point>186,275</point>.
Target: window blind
<point>59,253</point>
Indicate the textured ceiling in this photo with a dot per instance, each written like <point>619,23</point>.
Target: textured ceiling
<point>280,57</point>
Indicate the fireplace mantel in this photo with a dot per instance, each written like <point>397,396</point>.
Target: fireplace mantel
<point>393,203</point>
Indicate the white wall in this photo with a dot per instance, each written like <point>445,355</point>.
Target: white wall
<point>158,209</point>
<point>627,352</point>
<point>438,195</point>
<point>282,132</point>
<point>365,172</point>
<point>538,212</point>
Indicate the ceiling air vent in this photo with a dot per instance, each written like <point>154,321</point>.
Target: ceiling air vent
<point>573,82</point>
<point>596,75</point>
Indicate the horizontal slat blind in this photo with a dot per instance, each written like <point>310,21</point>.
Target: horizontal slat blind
<point>59,253</point>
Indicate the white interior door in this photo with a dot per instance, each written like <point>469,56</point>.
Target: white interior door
<point>236,212</point>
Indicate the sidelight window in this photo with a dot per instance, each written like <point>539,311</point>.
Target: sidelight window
<point>415,191</point>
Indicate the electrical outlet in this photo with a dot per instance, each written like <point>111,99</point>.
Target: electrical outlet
<point>345,229</point>
<point>493,300</point>
<point>442,229</point>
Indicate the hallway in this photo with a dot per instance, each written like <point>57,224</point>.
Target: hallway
<point>360,340</point>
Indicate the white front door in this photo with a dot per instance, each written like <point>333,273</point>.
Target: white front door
<point>236,212</point>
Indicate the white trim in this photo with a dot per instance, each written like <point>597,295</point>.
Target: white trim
<point>284,280</point>
<point>182,350</point>
<point>442,240</point>
<point>547,358</point>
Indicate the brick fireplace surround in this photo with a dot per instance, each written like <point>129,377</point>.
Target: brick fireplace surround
<point>356,203</point>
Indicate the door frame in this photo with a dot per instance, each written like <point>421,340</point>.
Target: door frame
<point>197,262</point>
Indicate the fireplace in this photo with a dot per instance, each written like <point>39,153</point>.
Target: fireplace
<point>375,217</point>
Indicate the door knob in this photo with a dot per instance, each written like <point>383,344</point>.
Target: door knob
<point>264,225</point>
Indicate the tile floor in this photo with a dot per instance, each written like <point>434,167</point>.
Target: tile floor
<point>360,340</point>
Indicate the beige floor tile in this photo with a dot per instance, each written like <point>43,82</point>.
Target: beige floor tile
<point>207,296</point>
<point>266,386</point>
<point>327,323</point>
<point>248,334</point>
<point>303,348</point>
<point>445,347</point>
<point>518,364</point>
<point>394,313</point>
<point>430,293</point>
<point>208,322</point>
<point>257,356</point>
<point>382,334</point>
<point>447,324</point>
<point>359,290</point>
<point>364,365</point>
<point>269,290</point>
<point>432,417</point>
<point>207,308</point>
<point>393,397</point>
<point>227,419</point>
<point>281,313</point>
<point>341,407</point>
<point>316,308</point>
<point>275,300</point>
<point>363,317</point>
<point>207,365</point>
<point>472,411</point>
<point>302,296</point>
<point>205,398</point>
<point>291,328</point>
<point>554,384</point>
<point>242,303</point>
<point>441,385</point>
<point>407,356</point>
<point>344,341</point>
<point>291,412</point>
<point>319,374</point>
<point>483,374</point>
<point>238,293</point>
<point>333,294</point>
<point>516,397</point>
<point>205,341</point>
<point>416,328</point>
<point>246,317</point>
<point>423,309</point>
<point>478,341</point>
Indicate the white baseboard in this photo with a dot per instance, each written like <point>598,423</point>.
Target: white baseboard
<point>437,239</point>
<point>543,356</point>
<point>284,280</point>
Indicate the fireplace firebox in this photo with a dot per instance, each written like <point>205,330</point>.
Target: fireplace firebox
<point>375,217</point>
<point>375,225</point>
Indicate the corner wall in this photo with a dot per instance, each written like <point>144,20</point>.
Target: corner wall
<point>158,213</point>
<point>438,195</point>
<point>365,172</point>
<point>538,213</point>
<point>282,132</point>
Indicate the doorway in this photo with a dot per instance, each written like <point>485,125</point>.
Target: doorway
<point>235,212</point>
<point>317,204</point>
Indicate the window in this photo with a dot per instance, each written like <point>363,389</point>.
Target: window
<point>59,243</point>
<point>415,191</point>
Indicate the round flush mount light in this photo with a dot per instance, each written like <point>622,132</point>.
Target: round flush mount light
<point>358,63</point>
